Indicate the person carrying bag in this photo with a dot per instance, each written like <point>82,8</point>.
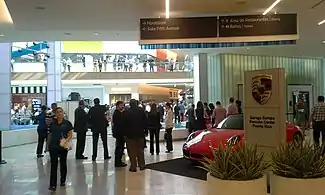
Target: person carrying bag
<point>59,143</point>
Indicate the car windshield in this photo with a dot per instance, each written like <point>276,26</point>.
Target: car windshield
<point>235,122</point>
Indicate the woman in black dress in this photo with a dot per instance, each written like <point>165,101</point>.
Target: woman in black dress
<point>199,115</point>
<point>154,127</point>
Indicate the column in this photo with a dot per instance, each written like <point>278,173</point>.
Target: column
<point>54,83</point>
<point>207,78</point>
<point>214,78</point>
<point>5,89</point>
<point>200,74</point>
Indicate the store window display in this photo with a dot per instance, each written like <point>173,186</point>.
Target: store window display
<point>24,109</point>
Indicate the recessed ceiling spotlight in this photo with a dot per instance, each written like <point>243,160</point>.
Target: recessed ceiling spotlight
<point>2,35</point>
<point>40,7</point>
<point>96,33</point>
<point>323,41</point>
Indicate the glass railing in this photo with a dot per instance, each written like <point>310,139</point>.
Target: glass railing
<point>106,67</point>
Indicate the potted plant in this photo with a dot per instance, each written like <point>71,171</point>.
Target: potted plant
<point>236,171</point>
<point>298,170</point>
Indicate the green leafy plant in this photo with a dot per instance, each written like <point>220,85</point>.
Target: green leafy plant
<point>240,163</point>
<point>303,161</point>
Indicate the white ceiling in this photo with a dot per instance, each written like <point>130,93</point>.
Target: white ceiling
<point>118,20</point>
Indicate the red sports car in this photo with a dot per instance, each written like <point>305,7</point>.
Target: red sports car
<point>229,131</point>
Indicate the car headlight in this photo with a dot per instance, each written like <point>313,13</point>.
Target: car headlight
<point>190,137</point>
<point>234,140</point>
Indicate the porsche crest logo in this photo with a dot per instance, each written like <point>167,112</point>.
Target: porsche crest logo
<point>262,88</point>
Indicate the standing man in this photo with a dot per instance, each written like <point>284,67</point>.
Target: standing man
<point>98,123</point>
<point>317,117</point>
<point>118,129</point>
<point>232,108</point>
<point>191,118</point>
<point>81,128</point>
<point>137,124</point>
<point>177,113</point>
<point>41,131</point>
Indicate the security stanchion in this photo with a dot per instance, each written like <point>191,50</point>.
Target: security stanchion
<point>1,160</point>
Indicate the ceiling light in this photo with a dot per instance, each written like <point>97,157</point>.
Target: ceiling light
<point>96,33</point>
<point>5,16</point>
<point>323,41</point>
<point>271,7</point>
<point>2,35</point>
<point>167,8</point>
<point>321,22</point>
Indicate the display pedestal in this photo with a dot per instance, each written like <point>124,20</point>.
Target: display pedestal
<point>1,160</point>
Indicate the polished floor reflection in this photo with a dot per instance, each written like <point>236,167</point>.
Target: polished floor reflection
<point>26,175</point>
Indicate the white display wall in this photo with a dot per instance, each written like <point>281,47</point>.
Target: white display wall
<point>86,92</point>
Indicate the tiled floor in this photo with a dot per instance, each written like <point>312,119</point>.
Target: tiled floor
<point>26,175</point>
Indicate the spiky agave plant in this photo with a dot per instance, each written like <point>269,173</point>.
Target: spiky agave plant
<point>240,163</point>
<point>303,162</point>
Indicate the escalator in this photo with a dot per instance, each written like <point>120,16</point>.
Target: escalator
<point>29,50</point>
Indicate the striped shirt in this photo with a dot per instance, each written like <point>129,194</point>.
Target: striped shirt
<point>318,112</point>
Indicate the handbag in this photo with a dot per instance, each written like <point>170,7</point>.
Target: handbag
<point>66,143</point>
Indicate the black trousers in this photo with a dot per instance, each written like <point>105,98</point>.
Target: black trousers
<point>81,143</point>
<point>154,138</point>
<point>103,136</point>
<point>119,148</point>
<point>169,137</point>
<point>191,127</point>
<point>55,155</point>
<point>42,137</point>
<point>318,128</point>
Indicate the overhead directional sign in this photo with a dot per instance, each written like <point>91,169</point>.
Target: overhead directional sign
<point>244,28</point>
<point>258,25</point>
<point>178,29</point>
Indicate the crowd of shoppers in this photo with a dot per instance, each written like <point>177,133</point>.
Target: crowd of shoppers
<point>206,115</point>
<point>130,126</point>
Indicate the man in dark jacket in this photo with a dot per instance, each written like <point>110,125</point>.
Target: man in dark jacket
<point>118,128</point>
<point>98,124</point>
<point>137,124</point>
<point>41,131</point>
<point>81,128</point>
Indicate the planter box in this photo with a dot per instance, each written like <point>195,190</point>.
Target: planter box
<point>225,187</point>
<point>289,186</point>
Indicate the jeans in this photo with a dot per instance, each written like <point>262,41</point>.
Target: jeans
<point>154,138</point>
